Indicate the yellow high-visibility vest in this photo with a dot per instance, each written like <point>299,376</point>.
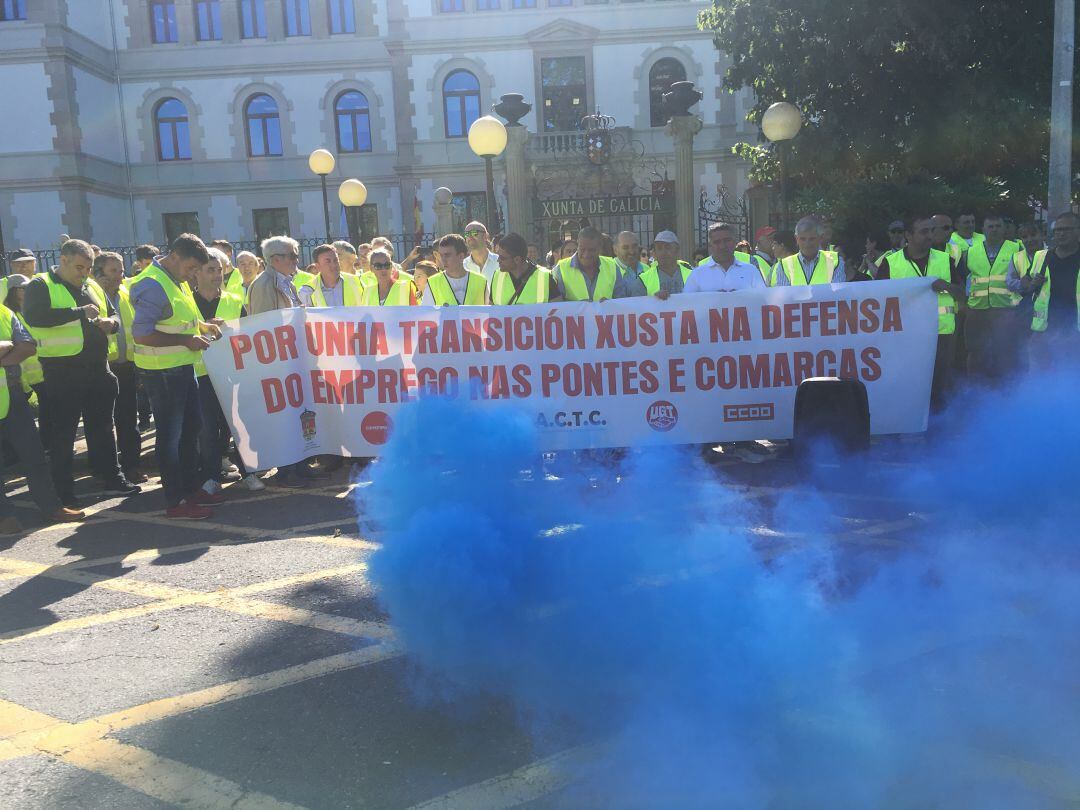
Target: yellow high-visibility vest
<point>184,320</point>
<point>6,316</point>
<point>574,285</point>
<point>402,293</point>
<point>126,313</point>
<point>32,373</point>
<point>444,296</point>
<point>352,291</point>
<point>988,290</point>
<point>827,262</point>
<point>937,266</point>
<point>228,308</point>
<point>1041,318</point>
<point>302,278</point>
<point>65,340</point>
<point>535,291</point>
<point>961,242</point>
<point>234,283</point>
<point>650,277</point>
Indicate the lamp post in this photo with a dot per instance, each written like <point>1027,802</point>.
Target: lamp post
<point>322,163</point>
<point>444,221</point>
<point>782,122</point>
<point>487,139</point>
<point>352,194</point>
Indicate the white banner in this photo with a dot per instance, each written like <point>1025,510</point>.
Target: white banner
<point>695,368</point>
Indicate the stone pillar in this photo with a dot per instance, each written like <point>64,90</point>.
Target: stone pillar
<point>517,180</point>
<point>512,108</point>
<point>444,211</point>
<point>682,129</point>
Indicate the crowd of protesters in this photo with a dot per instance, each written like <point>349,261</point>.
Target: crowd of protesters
<point>93,340</point>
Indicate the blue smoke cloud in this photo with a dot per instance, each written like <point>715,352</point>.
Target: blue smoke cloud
<point>745,652</point>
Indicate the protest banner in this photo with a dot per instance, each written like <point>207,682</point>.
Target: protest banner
<point>695,368</point>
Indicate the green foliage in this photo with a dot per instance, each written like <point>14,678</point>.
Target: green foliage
<point>861,208</point>
<point>763,164</point>
<point>899,97</point>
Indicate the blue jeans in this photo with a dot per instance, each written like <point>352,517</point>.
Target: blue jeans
<point>174,399</point>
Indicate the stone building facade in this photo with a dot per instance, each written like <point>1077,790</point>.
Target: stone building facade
<point>129,120</point>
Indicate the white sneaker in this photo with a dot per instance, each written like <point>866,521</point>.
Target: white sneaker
<point>252,483</point>
<point>211,487</point>
<point>227,466</point>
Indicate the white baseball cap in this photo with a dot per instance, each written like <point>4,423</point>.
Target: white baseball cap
<point>667,236</point>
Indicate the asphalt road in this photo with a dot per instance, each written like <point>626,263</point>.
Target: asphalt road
<point>244,662</point>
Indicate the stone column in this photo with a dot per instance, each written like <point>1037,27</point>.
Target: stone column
<point>517,180</point>
<point>682,129</point>
<point>444,211</point>
<point>512,107</point>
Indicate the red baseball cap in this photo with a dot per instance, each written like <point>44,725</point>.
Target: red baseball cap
<point>764,230</point>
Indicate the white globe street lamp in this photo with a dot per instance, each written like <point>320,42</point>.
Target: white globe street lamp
<point>780,123</point>
<point>352,194</point>
<point>487,139</point>
<point>322,162</point>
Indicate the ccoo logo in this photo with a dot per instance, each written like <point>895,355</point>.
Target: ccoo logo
<point>662,415</point>
<point>376,427</point>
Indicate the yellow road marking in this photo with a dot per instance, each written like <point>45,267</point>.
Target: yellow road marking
<point>26,730</point>
<point>16,719</point>
<point>166,779</point>
<point>154,553</point>
<point>172,597</point>
<point>141,770</point>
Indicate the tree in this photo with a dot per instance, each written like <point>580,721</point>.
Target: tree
<point>940,95</point>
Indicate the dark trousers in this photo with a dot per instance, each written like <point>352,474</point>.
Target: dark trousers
<point>19,430</point>
<point>142,398</point>
<point>943,373</point>
<point>1054,350</point>
<point>174,399</point>
<point>126,416</point>
<point>90,391</point>
<point>44,418</point>
<point>985,333</point>
<point>214,434</point>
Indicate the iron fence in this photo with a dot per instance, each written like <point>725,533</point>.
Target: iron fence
<point>403,244</point>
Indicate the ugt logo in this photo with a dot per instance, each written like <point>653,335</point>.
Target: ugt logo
<point>662,416</point>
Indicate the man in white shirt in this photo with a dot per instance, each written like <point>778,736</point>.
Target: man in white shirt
<point>723,272</point>
<point>330,283</point>
<point>481,259</point>
<point>455,285</point>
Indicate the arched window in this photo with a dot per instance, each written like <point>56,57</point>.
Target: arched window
<point>263,126</point>
<point>662,75</point>
<point>353,122</point>
<point>173,135</point>
<point>461,102</point>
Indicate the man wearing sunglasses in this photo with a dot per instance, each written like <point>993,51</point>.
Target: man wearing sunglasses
<point>519,281</point>
<point>274,289</point>
<point>481,259</point>
<point>1053,282</point>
